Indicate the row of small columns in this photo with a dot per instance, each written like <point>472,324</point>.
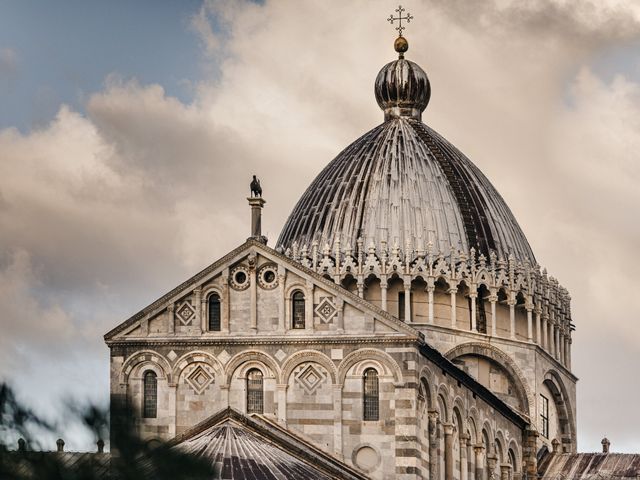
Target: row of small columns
<point>553,339</point>
<point>466,448</point>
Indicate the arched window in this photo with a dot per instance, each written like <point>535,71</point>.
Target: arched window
<point>371,395</point>
<point>297,309</point>
<point>150,405</point>
<point>255,391</point>
<point>214,312</point>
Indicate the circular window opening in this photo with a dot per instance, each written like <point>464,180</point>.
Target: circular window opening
<point>269,276</point>
<point>240,277</point>
<point>367,459</point>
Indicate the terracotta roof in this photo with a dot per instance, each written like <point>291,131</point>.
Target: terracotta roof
<point>590,466</point>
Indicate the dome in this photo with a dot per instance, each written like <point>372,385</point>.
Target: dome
<point>402,89</point>
<point>403,185</point>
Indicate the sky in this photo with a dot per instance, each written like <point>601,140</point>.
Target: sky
<point>129,132</point>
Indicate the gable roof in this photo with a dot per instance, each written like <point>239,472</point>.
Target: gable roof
<point>590,466</point>
<point>241,446</point>
<point>238,253</point>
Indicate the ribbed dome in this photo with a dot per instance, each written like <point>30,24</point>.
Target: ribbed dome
<point>402,184</point>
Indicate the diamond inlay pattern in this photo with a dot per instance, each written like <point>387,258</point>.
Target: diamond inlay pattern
<point>310,378</point>
<point>199,379</point>
<point>185,314</point>
<point>326,310</point>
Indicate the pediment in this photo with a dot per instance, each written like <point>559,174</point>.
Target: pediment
<point>255,273</point>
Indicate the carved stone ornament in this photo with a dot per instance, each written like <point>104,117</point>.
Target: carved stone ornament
<point>185,313</point>
<point>310,377</point>
<point>199,379</point>
<point>239,278</point>
<point>268,276</point>
<point>326,310</point>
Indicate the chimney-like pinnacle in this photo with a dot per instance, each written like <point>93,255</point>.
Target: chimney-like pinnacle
<point>60,445</point>
<point>605,445</point>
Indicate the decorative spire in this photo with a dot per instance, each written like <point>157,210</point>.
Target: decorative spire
<point>401,45</point>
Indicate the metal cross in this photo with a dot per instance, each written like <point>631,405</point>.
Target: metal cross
<point>400,18</point>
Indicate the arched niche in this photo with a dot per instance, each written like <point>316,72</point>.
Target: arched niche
<point>496,371</point>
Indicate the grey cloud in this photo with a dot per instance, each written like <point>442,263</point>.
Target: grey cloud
<point>115,208</point>
<point>584,24</point>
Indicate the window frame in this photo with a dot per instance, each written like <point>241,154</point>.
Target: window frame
<point>370,397</point>
<point>298,303</point>
<point>255,396</point>
<point>210,297</point>
<point>544,416</point>
<point>150,394</point>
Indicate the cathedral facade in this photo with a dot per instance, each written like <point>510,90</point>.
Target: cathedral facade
<point>400,328</point>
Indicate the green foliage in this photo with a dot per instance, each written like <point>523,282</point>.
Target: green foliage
<point>131,457</point>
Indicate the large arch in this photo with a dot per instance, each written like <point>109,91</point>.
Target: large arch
<point>523,392</point>
<point>309,356</point>
<point>202,357</point>
<point>142,356</point>
<point>383,358</point>
<point>251,356</point>
<point>554,383</point>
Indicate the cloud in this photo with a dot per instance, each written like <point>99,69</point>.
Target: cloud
<point>102,212</point>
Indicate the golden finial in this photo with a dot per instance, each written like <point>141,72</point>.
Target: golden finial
<point>401,45</point>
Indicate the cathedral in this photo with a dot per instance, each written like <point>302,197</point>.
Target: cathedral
<point>400,327</point>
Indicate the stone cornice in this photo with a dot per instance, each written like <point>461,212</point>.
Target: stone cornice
<point>263,340</point>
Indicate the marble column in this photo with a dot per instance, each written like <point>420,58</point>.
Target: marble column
<point>448,451</point>
<point>171,318</point>
<point>199,310</point>
<point>253,289</point>
<point>407,301</point>
<point>529,308</point>
<point>479,453</point>
<point>493,299</point>
<point>337,420</point>
<point>474,321</point>
<point>452,293</point>
<point>308,307</point>
<point>545,331</point>
<point>383,293</point>
<point>226,306</point>
<point>204,324</point>
<point>492,462</point>
<point>512,318</point>
<point>281,396</point>
<point>433,445</point>
<point>538,311</point>
<point>464,469</point>
<point>471,464</point>
<point>505,471</point>
<point>282,300</point>
<point>430,289</point>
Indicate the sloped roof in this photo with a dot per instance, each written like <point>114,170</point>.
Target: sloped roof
<point>240,447</point>
<point>590,466</point>
<point>30,464</point>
